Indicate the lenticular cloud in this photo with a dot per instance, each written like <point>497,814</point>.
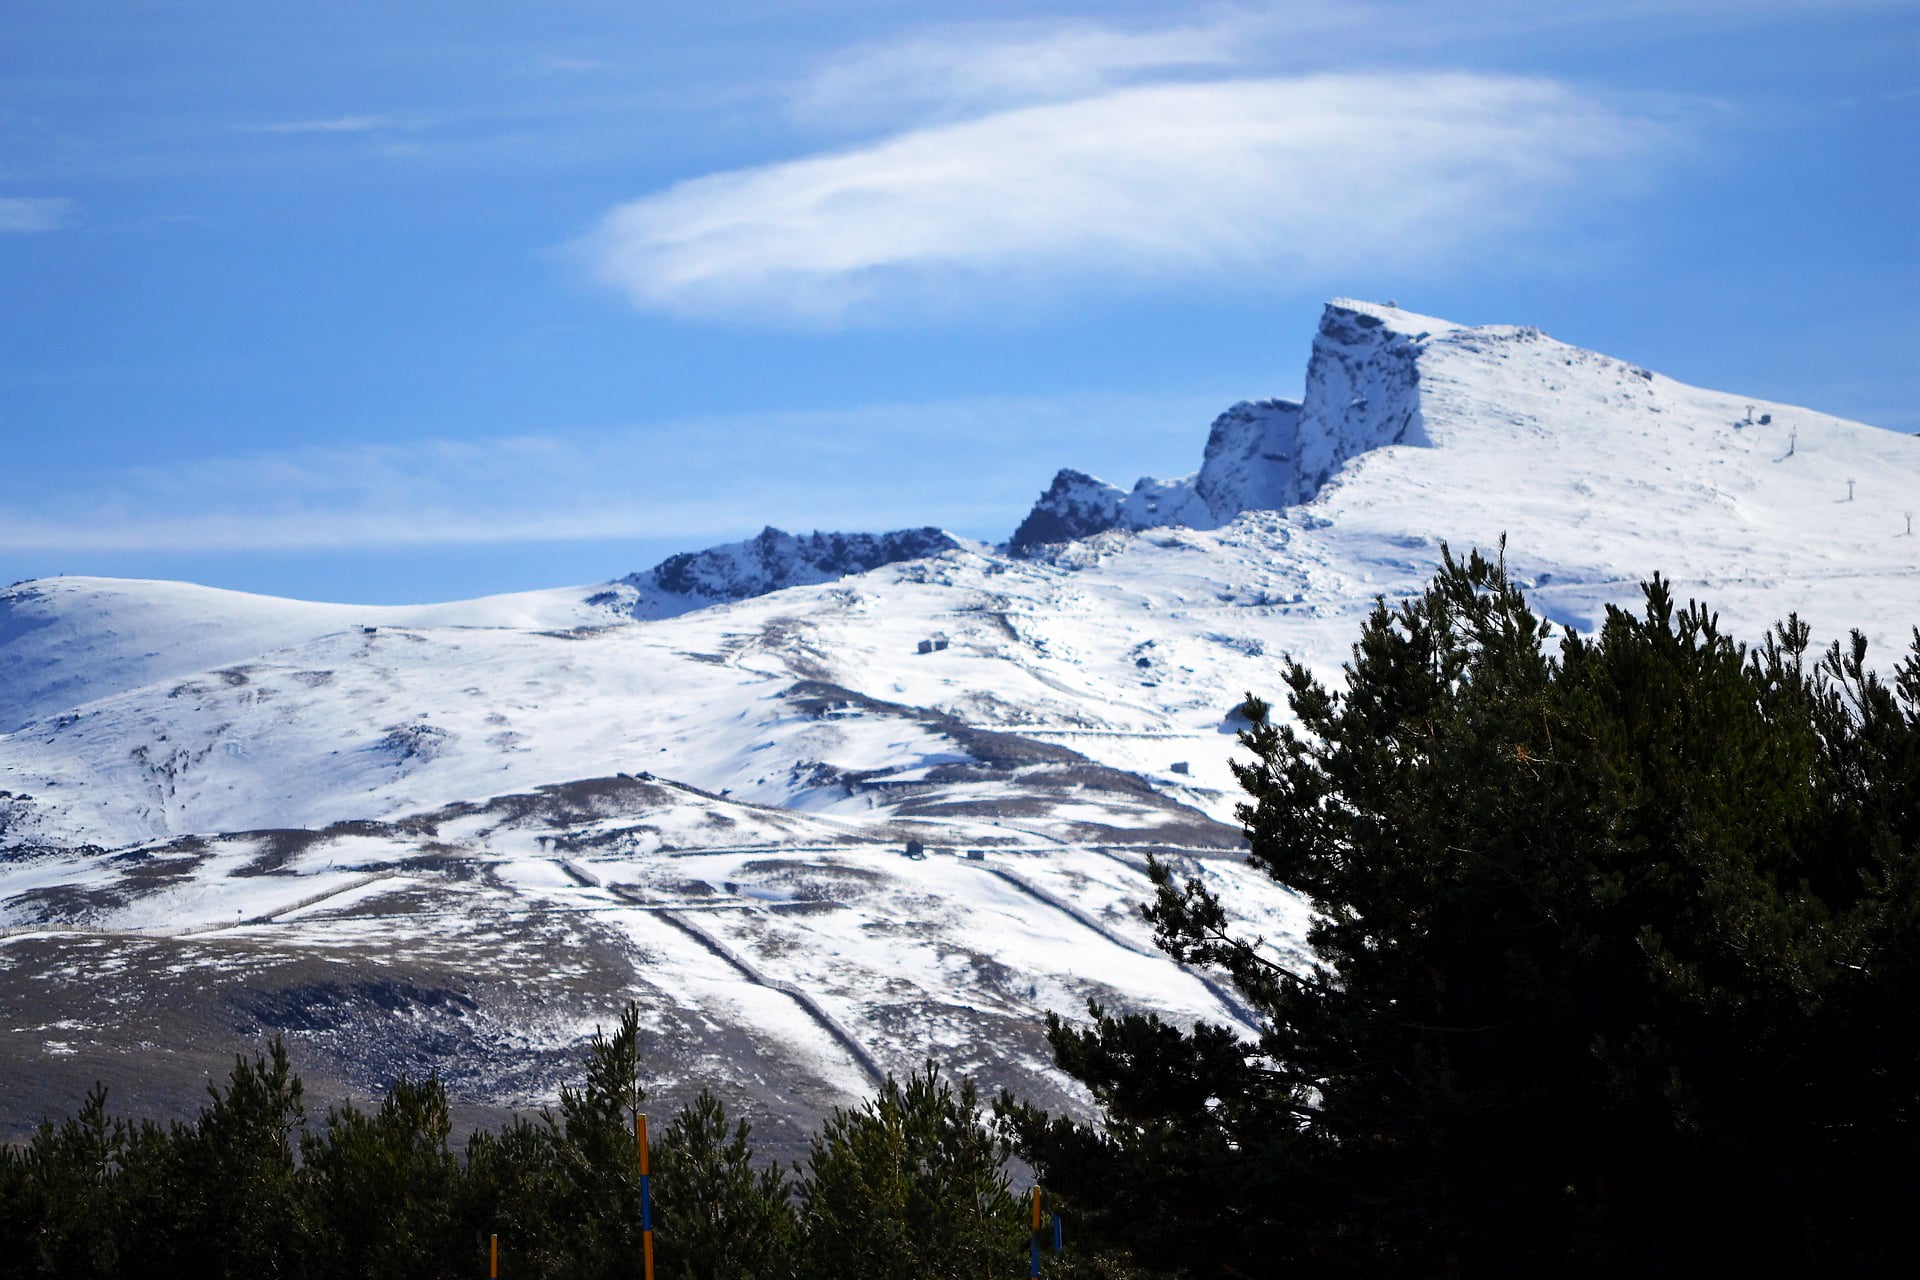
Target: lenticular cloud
<point>1297,178</point>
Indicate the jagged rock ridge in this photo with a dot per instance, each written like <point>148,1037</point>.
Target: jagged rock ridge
<point>1261,455</point>
<point>1363,392</point>
<point>770,561</point>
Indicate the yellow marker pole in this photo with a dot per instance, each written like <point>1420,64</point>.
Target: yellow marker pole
<point>493,1257</point>
<point>646,1193</point>
<point>1034,1269</point>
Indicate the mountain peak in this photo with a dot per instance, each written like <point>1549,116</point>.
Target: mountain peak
<point>1262,455</point>
<point>1352,314</point>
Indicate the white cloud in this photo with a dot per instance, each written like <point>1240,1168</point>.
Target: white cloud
<point>956,72</point>
<point>1301,179</point>
<point>336,124</point>
<point>562,64</point>
<point>33,213</point>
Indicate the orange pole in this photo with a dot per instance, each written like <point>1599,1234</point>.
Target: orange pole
<point>646,1193</point>
<point>1033,1241</point>
<point>493,1257</point>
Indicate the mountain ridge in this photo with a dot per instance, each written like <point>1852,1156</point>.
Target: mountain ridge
<point>922,792</point>
<point>773,560</point>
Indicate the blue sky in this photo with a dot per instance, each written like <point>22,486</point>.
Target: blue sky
<point>409,301</point>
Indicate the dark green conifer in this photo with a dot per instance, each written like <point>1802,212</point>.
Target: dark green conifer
<point>513,1186</point>
<point>381,1187</point>
<point>241,1214</point>
<point>911,1186</point>
<point>1614,965</point>
<point>66,1194</point>
<point>717,1216</point>
<point>598,1213</point>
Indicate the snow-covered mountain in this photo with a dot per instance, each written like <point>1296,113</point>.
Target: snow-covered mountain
<point>456,835</point>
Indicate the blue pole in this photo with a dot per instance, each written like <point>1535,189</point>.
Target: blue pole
<point>1058,1239</point>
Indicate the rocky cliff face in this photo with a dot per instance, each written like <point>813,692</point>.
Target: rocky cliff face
<point>771,561</point>
<point>1075,505</point>
<point>1249,464</point>
<point>1363,392</point>
<point>1363,387</point>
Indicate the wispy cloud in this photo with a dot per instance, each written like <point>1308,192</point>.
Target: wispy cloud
<point>697,480</point>
<point>958,72</point>
<point>564,65</point>
<point>34,213</point>
<point>335,124</point>
<point>1288,178</point>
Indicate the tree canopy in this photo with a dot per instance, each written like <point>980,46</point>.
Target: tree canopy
<point>1615,964</point>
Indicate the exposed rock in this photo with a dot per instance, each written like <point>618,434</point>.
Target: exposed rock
<point>1363,392</point>
<point>771,561</point>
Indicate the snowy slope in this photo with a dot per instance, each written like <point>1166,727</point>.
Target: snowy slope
<point>1601,473</point>
<point>1061,707</point>
<point>69,641</point>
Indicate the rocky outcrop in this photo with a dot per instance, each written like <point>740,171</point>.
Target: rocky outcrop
<point>1363,392</point>
<point>1075,506</point>
<point>1363,387</point>
<point>1249,464</point>
<point>771,561</point>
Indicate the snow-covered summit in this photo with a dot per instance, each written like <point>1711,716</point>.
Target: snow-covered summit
<point>1391,316</point>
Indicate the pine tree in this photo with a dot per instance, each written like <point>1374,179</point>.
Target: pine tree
<point>513,1187</point>
<point>67,1193</point>
<point>911,1185</point>
<point>1615,957</point>
<point>381,1187</point>
<point>242,1216</point>
<point>594,1140</point>
<point>160,1206</point>
<point>717,1216</point>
